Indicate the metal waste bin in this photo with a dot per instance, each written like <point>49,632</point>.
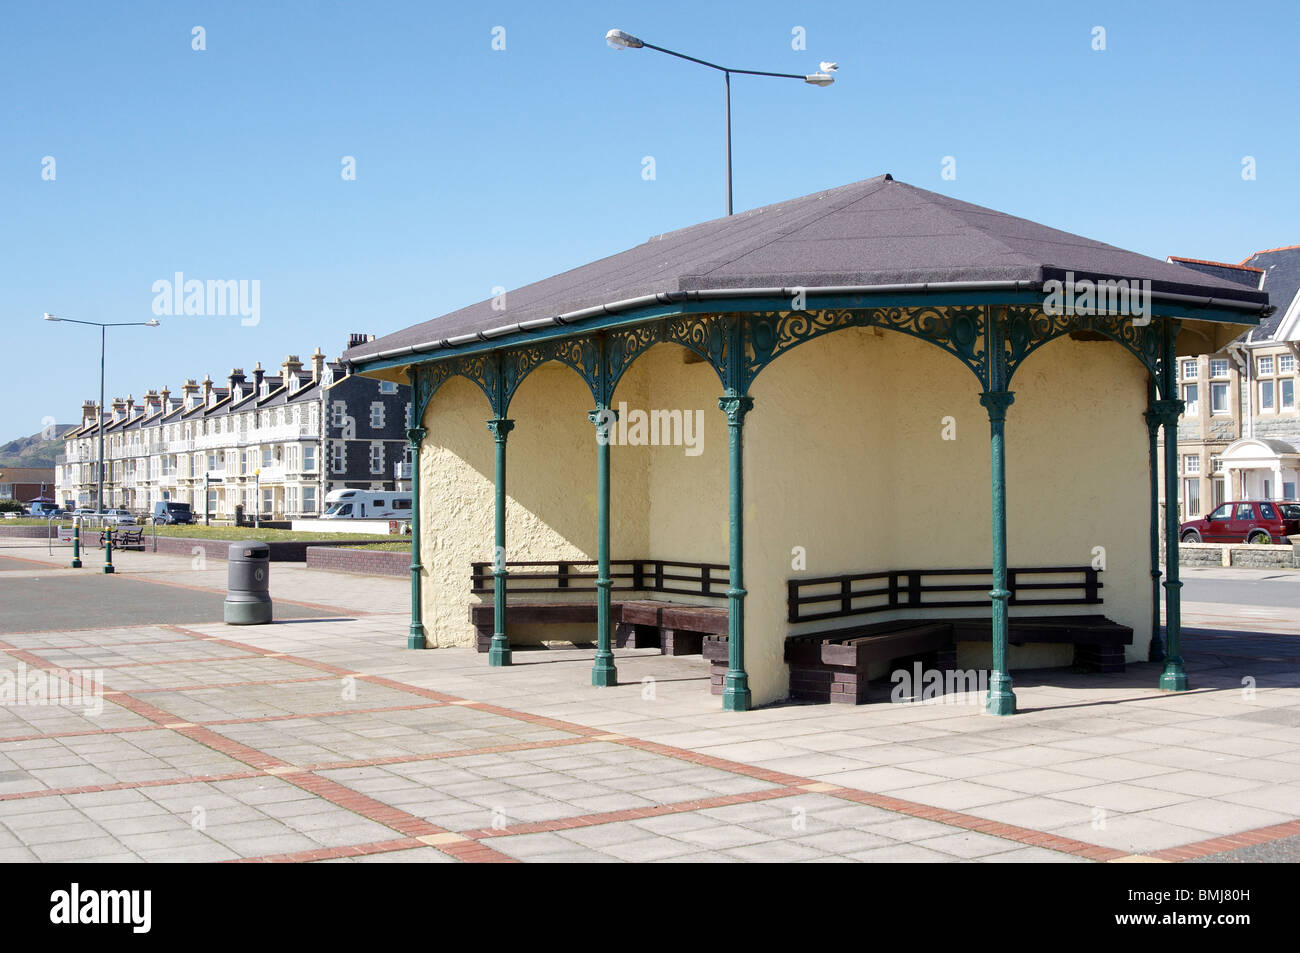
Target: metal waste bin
<point>248,582</point>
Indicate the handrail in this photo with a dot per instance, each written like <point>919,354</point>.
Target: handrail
<point>907,589</point>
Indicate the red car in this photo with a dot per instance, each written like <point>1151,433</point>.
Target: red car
<point>1256,521</point>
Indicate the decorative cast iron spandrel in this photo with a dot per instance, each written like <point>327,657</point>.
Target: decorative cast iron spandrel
<point>624,346</point>
<point>706,335</point>
<point>580,353</point>
<point>1028,328</point>
<point>958,330</point>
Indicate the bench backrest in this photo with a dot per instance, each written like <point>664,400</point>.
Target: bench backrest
<point>628,575</point>
<point>853,594</point>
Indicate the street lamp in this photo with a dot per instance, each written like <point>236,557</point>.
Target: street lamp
<point>620,40</point>
<point>103,334</point>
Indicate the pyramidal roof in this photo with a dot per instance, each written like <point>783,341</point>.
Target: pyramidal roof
<point>868,235</point>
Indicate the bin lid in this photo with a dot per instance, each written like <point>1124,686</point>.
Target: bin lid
<point>249,550</point>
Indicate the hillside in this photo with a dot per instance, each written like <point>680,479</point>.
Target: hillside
<point>38,450</point>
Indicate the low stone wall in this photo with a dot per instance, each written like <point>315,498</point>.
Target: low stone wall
<point>1272,556</point>
<point>380,562</point>
<point>28,532</point>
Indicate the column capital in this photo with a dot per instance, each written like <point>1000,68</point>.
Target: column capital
<point>500,427</point>
<point>1168,411</point>
<point>996,403</point>
<point>415,436</point>
<point>603,418</point>
<point>735,407</point>
<point>1154,420</point>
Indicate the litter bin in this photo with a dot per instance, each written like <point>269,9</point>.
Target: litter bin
<point>248,581</point>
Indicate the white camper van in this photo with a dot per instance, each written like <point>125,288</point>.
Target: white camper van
<point>367,505</point>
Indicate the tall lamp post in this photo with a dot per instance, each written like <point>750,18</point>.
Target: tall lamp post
<point>103,335</point>
<point>626,41</point>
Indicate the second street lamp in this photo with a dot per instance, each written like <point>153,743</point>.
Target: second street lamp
<point>620,40</point>
<point>103,335</point>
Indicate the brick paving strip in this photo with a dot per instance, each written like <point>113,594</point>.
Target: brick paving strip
<point>469,845</point>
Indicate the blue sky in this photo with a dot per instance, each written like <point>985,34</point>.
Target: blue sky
<point>478,167</point>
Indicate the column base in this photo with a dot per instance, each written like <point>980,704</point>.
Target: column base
<point>1173,678</point>
<point>76,564</point>
<point>415,638</point>
<point>108,569</point>
<point>1001,699</point>
<point>735,692</point>
<point>604,673</point>
<point>499,651</point>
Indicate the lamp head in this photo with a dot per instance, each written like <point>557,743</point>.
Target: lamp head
<point>622,41</point>
<point>50,317</point>
<point>152,323</point>
<point>819,79</point>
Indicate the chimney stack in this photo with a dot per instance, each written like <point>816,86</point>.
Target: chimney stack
<point>118,406</point>
<point>89,410</point>
<point>289,372</point>
<point>258,374</point>
<point>189,390</point>
<point>164,397</point>
<point>317,364</point>
<point>356,340</point>
<point>130,405</point>
<point>149,402</point>
<point>236,382</point>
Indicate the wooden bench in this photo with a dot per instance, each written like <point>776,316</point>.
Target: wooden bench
<point>674,628</point>
<point>832,665</point>
<point>1098,642</point>
<point>124,538</point>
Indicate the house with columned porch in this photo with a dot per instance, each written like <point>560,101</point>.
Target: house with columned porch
<point>918,428</point>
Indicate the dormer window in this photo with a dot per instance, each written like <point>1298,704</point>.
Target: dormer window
<point>266,388</point>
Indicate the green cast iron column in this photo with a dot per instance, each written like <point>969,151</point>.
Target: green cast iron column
<point>499,653</point>
<point>416,638</point>
<point>1001,699</point>
<point>1174,676</point>
<point>603,672</point>
<point>735,690</point>
<point>1156,653</point>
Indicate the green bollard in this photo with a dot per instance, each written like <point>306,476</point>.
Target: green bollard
<point>108,549</point>
<point>76,545</point>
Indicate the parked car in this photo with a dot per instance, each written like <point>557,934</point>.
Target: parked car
<point>1291,514</point>
<point>1241,521</point>
<point>118,518</point>
<point>171,512</point>
<point>45,510</point>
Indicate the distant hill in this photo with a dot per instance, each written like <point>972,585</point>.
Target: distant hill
<point>38,450</point>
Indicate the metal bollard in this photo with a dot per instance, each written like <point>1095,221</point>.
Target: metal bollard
<point>76,545</point>
<point>108,549</point>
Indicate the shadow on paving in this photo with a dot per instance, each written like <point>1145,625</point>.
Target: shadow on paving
<point>64,600</point>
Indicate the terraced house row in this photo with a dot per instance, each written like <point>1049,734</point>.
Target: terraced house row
<point>1239,436</point>
<point>271,443</point>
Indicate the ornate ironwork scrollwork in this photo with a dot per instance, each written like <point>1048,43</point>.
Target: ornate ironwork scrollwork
<point>581,353</point>
<point>958,330</point>
<point>1028,328</point>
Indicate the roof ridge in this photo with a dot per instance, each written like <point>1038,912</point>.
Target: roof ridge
<point>1217,264</point>
<point>1269,251</point>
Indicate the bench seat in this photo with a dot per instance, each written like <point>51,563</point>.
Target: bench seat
<point>831,665</point>
<point>673,627</point>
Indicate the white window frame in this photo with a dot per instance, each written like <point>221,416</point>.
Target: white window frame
<point>1265,365</point>
<point>1216,389</point>
<point>1192,464</point>
<point>1286,393</point>
<point>377,415</point>
<point>1268,396</point>
<point>388,387</point>
<point>1286,363</point>
<point>1189,370</point>
<point>376,457</point>
<point>1192,402</point>
<point>338,458</point>
<point>1219,367</point>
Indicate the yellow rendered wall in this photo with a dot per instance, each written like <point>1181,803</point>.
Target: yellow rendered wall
<point>550,500</point>
<point>845,457</point>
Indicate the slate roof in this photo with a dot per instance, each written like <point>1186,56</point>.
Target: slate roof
<point>1241,274</point>
<point>1281,281</point>
<point>877,232</point>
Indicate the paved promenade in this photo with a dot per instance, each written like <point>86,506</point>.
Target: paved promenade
<point>322,738</point>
